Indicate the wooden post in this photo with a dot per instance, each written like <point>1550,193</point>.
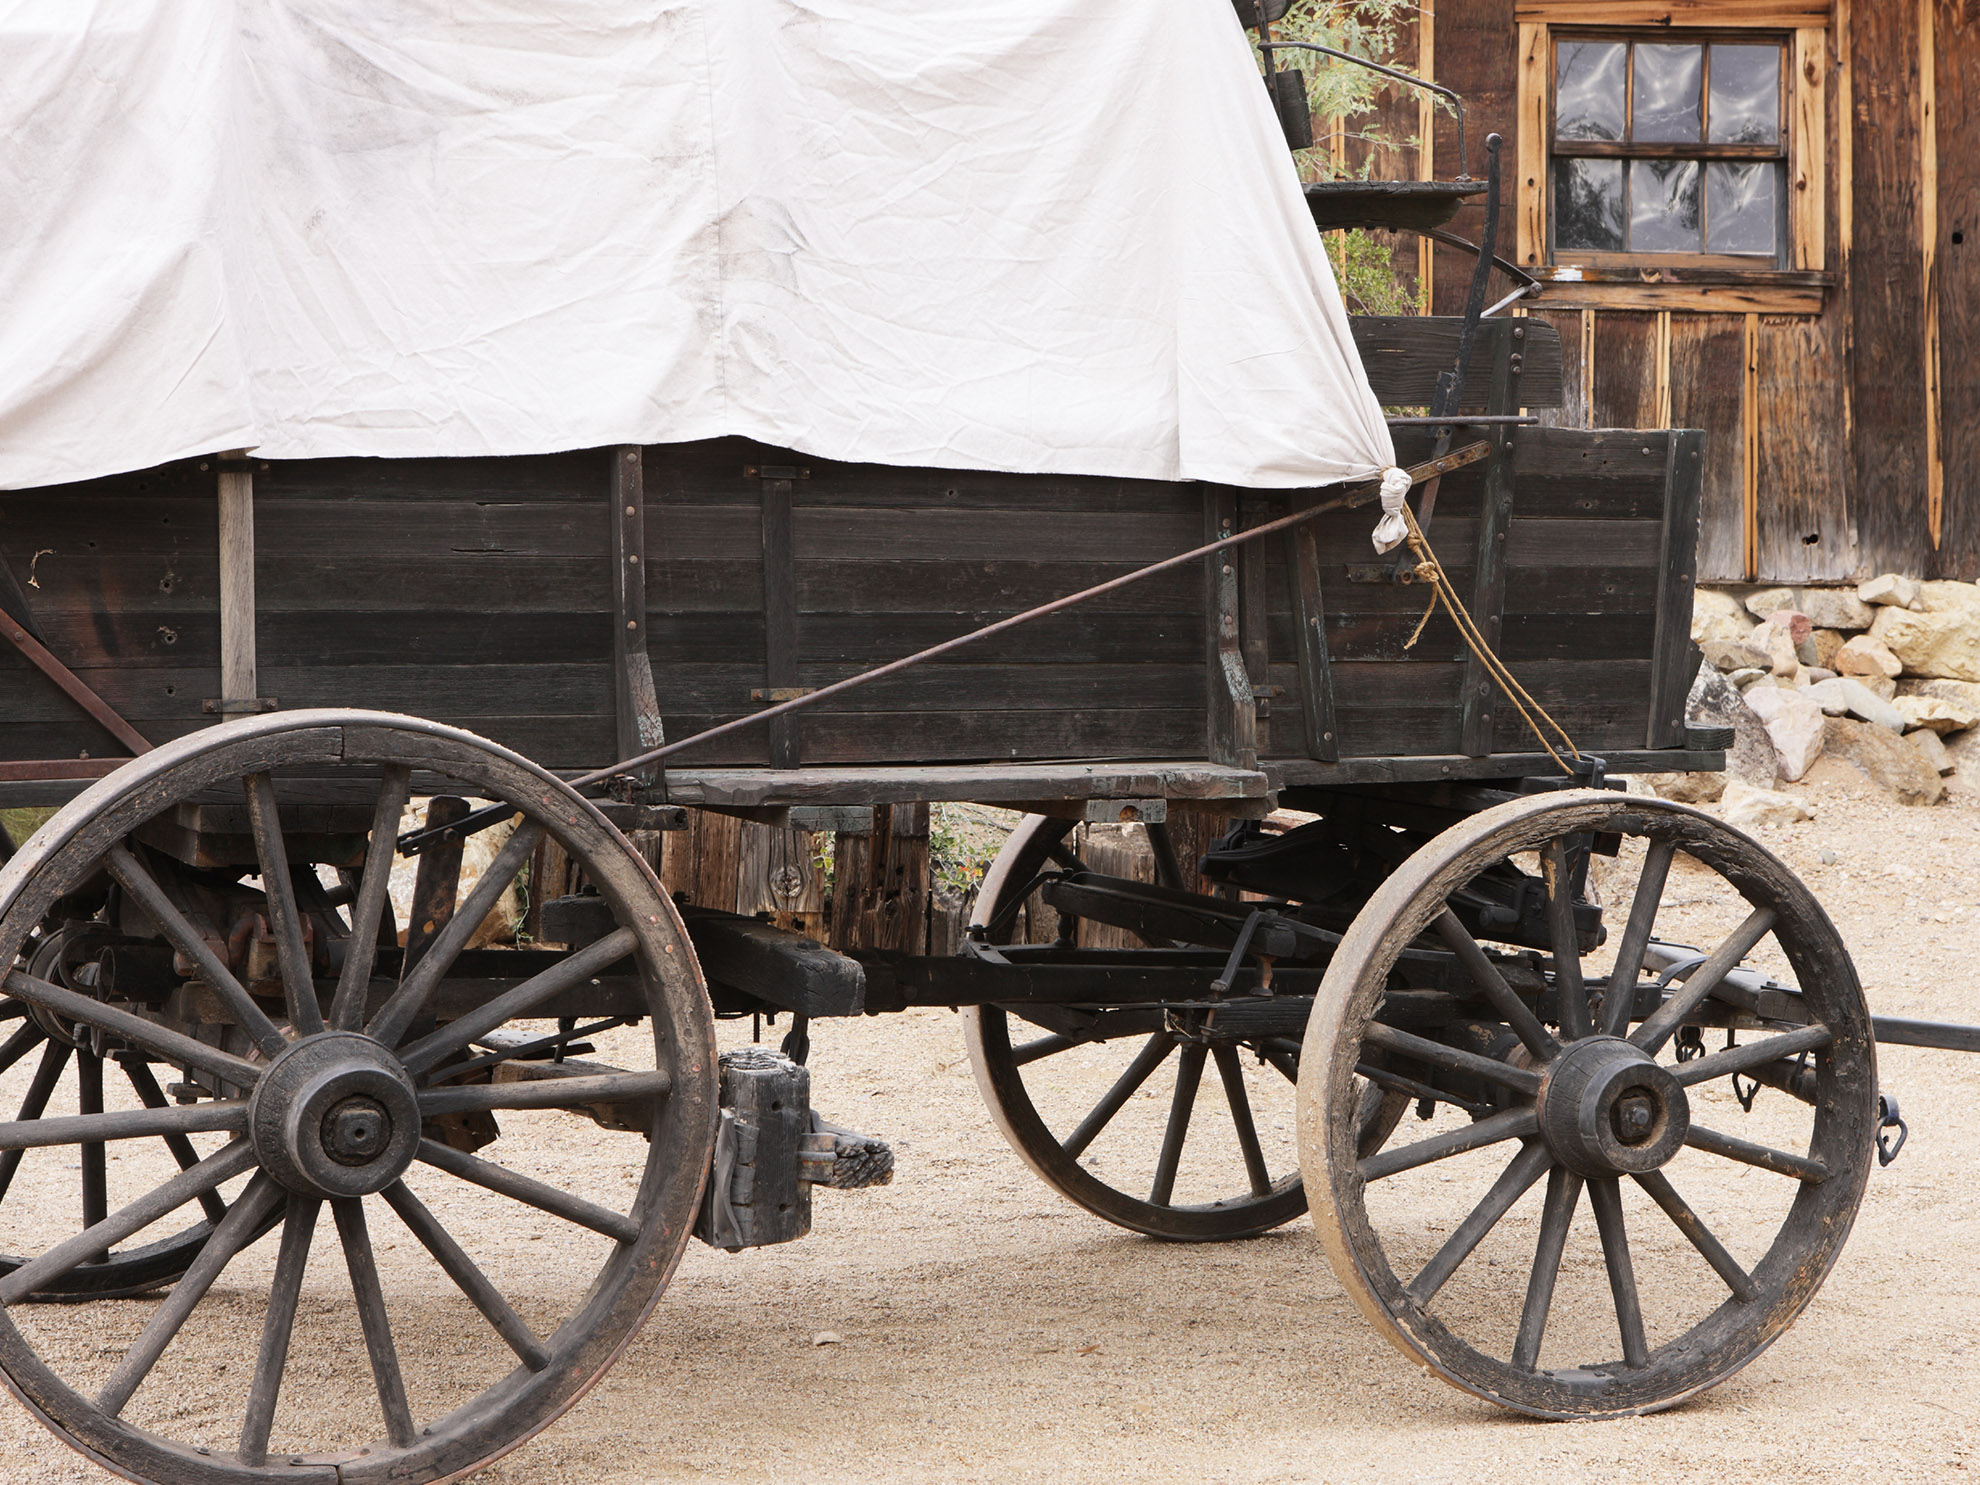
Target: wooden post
<point>239,687</point>
<point>638,708</point>
<point>880,883</point>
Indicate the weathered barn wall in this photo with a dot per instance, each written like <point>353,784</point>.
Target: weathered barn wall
<point>1839,397</point>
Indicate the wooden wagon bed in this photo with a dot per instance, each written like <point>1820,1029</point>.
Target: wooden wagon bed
<point>483,592</point>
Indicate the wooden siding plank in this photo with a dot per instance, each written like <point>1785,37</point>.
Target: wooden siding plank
<point>1802,530</point>
<point>1707,386</point>
<point>1885,275</point>
<point>1625,381</point>
<point>1675,12</point>
<point>1957,287</point>
<point>1477,54</point>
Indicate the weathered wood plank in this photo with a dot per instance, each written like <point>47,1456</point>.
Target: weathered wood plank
<point>1957,287</point>
<point>1707,373</point>
<point>1404,356</point>
<point>1885,274</point>
<point>1624,384</point>
<point>1675,659</point>
<point>1802,515</point>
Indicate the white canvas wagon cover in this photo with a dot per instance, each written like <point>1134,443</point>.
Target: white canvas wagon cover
<point>1029,235</point>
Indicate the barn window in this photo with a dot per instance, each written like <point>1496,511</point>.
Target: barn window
<point>1670,147</point>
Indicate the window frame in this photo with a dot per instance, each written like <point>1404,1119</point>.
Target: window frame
<point>1626,149</point>
<point>1800,288</point>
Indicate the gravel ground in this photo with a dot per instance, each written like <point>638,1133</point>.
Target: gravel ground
<point>988,1331</point>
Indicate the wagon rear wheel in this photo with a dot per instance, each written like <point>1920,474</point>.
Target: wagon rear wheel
<point>427,1304</point>
<point>1185,1135</point>
<point>1593,1224</point>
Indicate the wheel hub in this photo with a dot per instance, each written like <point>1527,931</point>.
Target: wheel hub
<point>335,1115</point>
<point>1608,1109</point>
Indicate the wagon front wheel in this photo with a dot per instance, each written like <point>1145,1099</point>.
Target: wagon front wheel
<point>1604,1214</point>
<point>456,1258</point>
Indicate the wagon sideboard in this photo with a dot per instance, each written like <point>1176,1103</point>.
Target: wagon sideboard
<point>485,593</point>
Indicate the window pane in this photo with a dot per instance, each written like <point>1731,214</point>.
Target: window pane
<point>1742,213</point>
<point>1667,86</point>
<point>1588,205</point>
<point>1663,201</point>
<point>1589,89</point>
<point>1746,94</point>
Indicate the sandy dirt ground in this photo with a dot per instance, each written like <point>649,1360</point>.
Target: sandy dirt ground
<point>989,1331</point>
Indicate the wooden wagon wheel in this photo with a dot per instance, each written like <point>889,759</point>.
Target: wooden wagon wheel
<point>344,1107</point>
<point>1231,1188</point>
<point>1706,1244</point>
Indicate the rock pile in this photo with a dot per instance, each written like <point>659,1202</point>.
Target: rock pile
<point>1885,678</point>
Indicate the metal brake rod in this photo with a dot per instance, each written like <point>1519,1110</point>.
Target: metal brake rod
<point>413,842</point>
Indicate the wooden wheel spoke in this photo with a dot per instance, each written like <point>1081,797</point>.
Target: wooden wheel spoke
<point>54,1057</point>
<point>1605,1196</point>
<point>434,1048</point>
<point>529,1191</point>
<point>277,1326</point>
<point>1231,1070</point>
<point>23,1040</point>
<point>546,1093</point>
<point>1801,1167</point>
<point>1451,1059</point>
<point>1513,1124</point>
<point>169,1046</point>
<point>1619,1001</point>
<point>1528,1166</point>
<point>1693,1227</point>
<point>1556,1217</point>
<point>1570,993</point>
<point>1658,1027</point>
<point>181,1148</point>
<point>92,1129</point>
<point>372,1319</point>
<point>1539,1041</point>
<point>399,1012</point>
<point>373,897</point>
<point>1045,1046</point>
<point>1189,1074</point>
<point>284,917</point>
<point>90,1154</point>
<point>1752,1054</point>
<point>1150,1057</point>
<point>131,874</point>
<point>223,1165</point>
<point>467,1277</point>
<point>235,1231</point>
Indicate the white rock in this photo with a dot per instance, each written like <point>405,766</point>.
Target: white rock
<point>1844,697</point>
<point>1892,588</point>
<point>1716,615</point>
<point>1835,608</point>
<point>1744,678</point>
<point>1932,714</point>
<point>1931,749</point>
<point>1688,788</point>
<point>1865,656</point>
<point>1959,693</point>
<point>1768,600</point>
<point>1942,643</point>
<point>1943,596</point>
<point>828,1338</point>
<point>1794,726</point>
<point>1747,807</point>
<point>1814,674</point>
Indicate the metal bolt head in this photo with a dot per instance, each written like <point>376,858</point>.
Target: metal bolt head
<point>1634,1116</point>
<point>356,1131</point>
